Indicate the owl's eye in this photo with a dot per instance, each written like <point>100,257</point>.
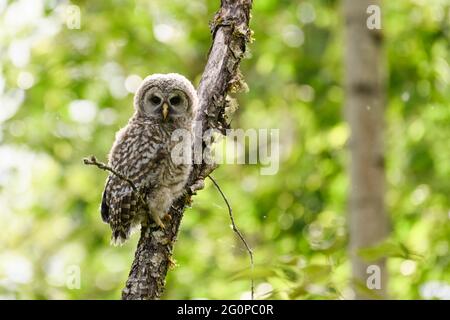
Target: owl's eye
<point>155,100</point>
<point>175,101</point>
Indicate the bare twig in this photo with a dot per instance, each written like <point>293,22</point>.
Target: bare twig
<point>236,230</point>
<point>92,161</point>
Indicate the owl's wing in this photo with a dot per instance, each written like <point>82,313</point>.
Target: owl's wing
<point>135,155</point>
<point>104,208</point>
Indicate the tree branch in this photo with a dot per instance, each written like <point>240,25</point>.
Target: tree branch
<point>231,34</point>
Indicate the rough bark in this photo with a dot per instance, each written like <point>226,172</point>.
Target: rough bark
<point>230,34</point>
<point>365,100</point>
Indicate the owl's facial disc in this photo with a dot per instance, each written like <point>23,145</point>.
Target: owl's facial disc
<point>165,105</point>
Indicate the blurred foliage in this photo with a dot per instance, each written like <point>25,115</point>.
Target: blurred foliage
<point>65,92</point>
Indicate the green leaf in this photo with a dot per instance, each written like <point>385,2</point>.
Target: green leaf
<point>387,249</point>
<point>259,272</point>
<point>316,272</point>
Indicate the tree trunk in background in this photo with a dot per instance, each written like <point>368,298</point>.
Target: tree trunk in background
<point>365,99</point>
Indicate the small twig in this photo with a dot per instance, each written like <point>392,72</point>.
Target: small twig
<point>92,161</point>
<point>236,230</point>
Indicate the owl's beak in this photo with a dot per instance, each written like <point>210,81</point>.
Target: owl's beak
<point>165,110</point>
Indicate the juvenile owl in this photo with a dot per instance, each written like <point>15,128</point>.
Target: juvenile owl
<point>142,152</point>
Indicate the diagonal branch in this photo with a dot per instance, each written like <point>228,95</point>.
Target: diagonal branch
<point>231,34</point>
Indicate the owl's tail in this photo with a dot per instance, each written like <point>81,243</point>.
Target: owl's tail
<point>120,230</point>
<point>123,217</point>
<point>118,237</point>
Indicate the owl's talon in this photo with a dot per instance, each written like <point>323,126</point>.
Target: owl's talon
<point>158,222</point>
<point>167,217</point>
<point>161,225</point>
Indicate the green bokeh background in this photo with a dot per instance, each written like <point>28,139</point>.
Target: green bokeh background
<point>67,97</point>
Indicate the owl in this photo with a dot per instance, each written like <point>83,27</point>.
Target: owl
<point>143,152</point>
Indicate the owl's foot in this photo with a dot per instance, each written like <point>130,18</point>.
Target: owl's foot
<point>158,221</point>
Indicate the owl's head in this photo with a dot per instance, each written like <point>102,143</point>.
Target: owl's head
<point>166,98</point>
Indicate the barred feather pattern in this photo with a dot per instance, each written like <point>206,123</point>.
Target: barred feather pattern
<point>144,158</point>
<point>142,152</point>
